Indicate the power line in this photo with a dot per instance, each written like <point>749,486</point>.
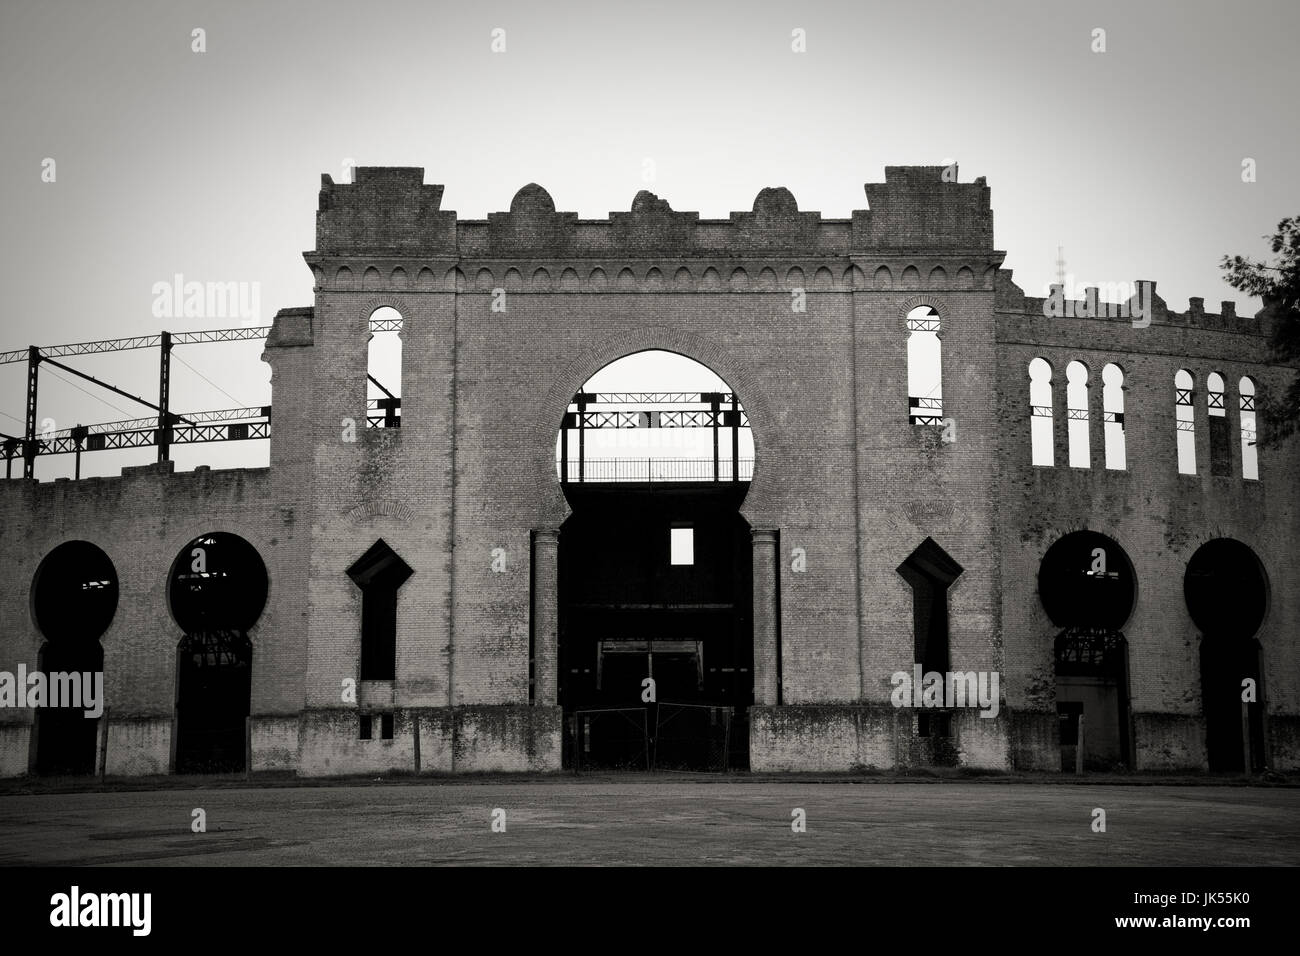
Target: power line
<point>208,380</point>
<point>82,390</point>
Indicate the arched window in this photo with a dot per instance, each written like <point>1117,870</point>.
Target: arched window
<point>1112,402</point>
<point>1041,438</point>
<point>1217,413</point>
<point>1076,400</point>
<point>384,370</point>
<point>924,367</point>
<point>1249,456</point>
<point>1185,416</point>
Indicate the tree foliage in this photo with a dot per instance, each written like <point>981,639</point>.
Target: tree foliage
<point>1278,285</point>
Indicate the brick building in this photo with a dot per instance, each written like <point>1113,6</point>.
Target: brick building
<point>435,597</point>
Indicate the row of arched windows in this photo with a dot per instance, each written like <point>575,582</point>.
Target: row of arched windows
<point>1078,415</point>
<point>1220,431</point>
<point>1078,419</point>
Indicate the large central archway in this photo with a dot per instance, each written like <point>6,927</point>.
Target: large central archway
<point>655,457</point>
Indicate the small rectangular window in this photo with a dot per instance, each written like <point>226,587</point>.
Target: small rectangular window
<point>365,726</point>
<point>683,545</point>
<point>386,726</point>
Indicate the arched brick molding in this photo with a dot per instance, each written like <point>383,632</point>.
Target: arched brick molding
<point>385,508</point>
<point>912,302</point>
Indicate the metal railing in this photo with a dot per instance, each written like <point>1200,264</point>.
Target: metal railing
<point>647,470</point>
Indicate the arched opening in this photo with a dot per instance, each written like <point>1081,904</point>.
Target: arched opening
<point>655,456</point>
<point>1076,401</point>
<point>1227,597</point>
<point>924,367</point>
<point>1217,415</point>
<point>217,590</point>
<point>1249,454</point>
<point>1088,588</point>
<point>1185,421</point>
<point>1112,401</point>
<point>1041,438</point>
<point>74,599</point>
<point>384,370</point>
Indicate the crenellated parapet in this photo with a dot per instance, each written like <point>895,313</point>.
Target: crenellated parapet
<point>387,232</point>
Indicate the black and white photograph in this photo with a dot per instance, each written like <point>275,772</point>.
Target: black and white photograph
<point>725,436</point>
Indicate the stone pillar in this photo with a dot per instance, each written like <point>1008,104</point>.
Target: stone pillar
<point>1060,417</point>
<point>1096,419</point>
<point>766,622</point>
<point>546,616</point>
<point>1201,416</point>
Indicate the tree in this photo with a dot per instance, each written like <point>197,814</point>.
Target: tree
<point>1279,286</point>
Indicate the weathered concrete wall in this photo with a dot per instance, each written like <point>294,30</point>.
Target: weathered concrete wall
<point>138,746</point>
<point>448,740</point>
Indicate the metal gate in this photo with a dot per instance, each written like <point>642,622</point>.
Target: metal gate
<point>657,736</point>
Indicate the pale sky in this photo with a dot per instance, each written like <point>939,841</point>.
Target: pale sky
<point>208,164</point>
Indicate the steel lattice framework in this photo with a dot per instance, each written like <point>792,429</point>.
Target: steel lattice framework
<point>167,428</point>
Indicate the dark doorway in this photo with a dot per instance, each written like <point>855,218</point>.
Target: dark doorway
<point>74,599</point>
<point>379,573</point>
<point>655,583</point>
<point>1227,596</point>
<point>217,592</point>
<point>930,571</point>
<point>1088,588</point>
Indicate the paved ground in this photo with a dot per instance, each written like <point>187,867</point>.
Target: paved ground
<point>567,822</point>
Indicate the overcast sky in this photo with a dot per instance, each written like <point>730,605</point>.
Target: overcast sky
<point>208,164</point>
